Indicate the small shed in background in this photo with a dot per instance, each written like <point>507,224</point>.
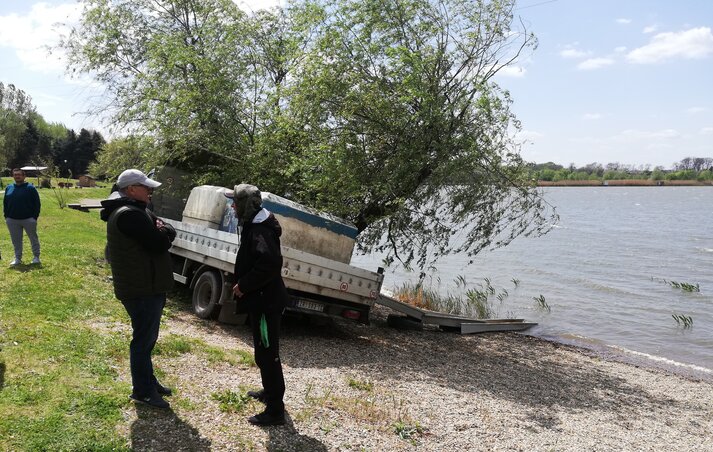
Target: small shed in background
<point>85,180</point>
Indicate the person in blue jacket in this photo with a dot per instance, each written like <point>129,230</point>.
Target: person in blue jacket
<point>21,208</point>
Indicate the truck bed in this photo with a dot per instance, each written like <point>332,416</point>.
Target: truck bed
<point>303,272</point>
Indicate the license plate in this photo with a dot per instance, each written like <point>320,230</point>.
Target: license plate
<point>311,305</point>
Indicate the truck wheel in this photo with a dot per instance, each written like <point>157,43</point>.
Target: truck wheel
<point>206,294</point>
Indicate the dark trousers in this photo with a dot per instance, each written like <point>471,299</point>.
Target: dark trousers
<point>268,360</point>
<point>145,313</point>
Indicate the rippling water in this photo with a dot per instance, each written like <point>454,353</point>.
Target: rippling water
<point>602,271</point>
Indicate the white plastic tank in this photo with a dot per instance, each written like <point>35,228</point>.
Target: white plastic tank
<point>206,206</point>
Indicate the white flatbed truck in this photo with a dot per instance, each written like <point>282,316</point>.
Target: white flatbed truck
<point>316,250</point>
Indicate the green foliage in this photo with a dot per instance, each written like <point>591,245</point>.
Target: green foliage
<point>25,137</point>
<point>385,114</point>
<point>124,153</point>
<point>690,168</point>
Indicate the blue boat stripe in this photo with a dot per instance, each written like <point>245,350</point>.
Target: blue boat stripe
<point>310,219</point>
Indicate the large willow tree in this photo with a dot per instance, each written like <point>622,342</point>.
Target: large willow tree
<point>384,112</point>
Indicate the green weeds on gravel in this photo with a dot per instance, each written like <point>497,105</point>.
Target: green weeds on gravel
<point>361,385</point>
<point>232,402</point>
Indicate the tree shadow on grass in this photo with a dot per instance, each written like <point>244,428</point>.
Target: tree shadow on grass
<point>2,375</point>
<point>163,430</point>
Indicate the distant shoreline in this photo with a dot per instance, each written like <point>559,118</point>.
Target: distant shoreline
<point>624,183</point>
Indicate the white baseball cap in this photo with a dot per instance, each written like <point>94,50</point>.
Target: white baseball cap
<point>135,177</point>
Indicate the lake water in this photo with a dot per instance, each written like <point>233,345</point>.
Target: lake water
<point>603,270</point>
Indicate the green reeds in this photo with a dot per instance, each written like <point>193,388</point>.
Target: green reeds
<point>685,321</point>
<point>684,286</point>
<point>477,301</point>
<point>542,303</point>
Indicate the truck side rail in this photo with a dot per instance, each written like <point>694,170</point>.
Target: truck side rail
<point>301,271</point>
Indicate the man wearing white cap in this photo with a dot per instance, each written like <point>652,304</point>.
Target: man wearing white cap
<point>137,249</point>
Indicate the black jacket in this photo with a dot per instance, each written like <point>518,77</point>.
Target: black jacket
<point>258,267</point>
<point>136,249</point>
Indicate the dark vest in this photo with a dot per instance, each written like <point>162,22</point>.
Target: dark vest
<point>135,271</point>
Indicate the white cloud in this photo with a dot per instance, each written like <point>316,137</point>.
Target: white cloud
<point>573,53</point>
<point>512,71</point>
<point>650,29</point>
<point>645,135</point>
<point>31,34</point>
<point>694,110</point>
<point>594,63</point>
<point>592,116</point>
<point>706,131</point>
<point>695,43</point>
<point>623,21</point>
<point>620,49</point>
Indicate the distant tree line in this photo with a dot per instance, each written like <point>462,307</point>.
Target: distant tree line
<point>27,139</point>
<point>689,168</point>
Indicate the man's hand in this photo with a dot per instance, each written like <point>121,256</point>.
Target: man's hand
<point>236,290</point>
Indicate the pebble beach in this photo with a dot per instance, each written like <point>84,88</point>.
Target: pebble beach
<point>354,387</point>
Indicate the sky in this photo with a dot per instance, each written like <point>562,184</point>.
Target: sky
<point>627,81</point>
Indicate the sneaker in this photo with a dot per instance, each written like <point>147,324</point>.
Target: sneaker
<point>162,390</point>
<point>257,395</point>
<point>35,261</point>
<point>155,401</point>
<point>15,262</point>
<point>266,418</point>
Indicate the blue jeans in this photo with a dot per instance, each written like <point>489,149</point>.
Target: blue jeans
<point>145,313</point>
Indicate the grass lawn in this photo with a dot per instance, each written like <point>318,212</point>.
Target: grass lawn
<point>58,360</point>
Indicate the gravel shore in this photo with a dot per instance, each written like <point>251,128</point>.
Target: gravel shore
<point>356,387</point>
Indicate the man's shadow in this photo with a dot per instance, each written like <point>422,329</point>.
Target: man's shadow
<point>24,268</point>
<point>163,430</point>
<point>279,441</point>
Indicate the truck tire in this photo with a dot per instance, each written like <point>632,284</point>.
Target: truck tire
<point>206,294</point>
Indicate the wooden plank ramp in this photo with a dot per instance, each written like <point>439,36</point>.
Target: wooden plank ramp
<point>86,204</point>
<point>466,325</point>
